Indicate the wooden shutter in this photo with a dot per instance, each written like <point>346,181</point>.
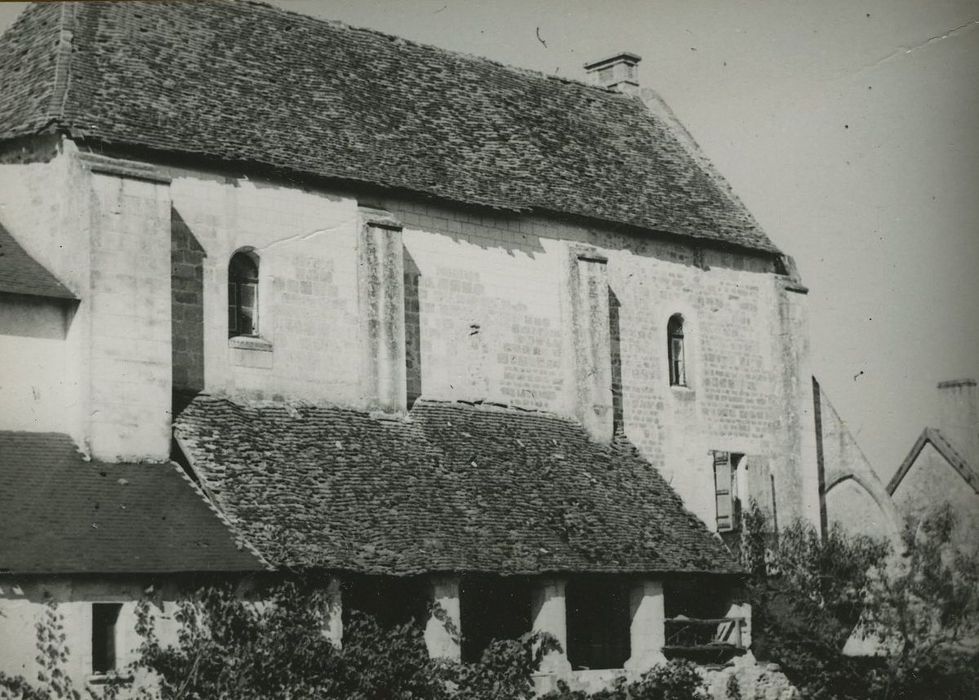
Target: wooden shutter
<point>724,491</point>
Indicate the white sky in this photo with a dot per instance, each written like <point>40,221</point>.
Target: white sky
<point>850,129</point>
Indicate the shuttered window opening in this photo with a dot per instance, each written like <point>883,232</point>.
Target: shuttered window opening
<point>726,498</point>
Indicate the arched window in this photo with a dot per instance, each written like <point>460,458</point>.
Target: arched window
<point>243,294</point>
<point>678,370</point>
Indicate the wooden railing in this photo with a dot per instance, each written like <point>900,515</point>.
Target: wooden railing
<point>704,639</point>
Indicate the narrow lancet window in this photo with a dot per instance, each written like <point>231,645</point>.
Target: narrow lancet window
<point>678,370</point>
<point>243,295</point>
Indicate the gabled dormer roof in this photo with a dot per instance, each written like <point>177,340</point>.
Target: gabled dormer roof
<point>945,449</point>
<point>249,84</point>
<point>22,274</point>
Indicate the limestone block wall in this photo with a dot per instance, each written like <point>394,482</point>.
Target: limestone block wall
<point>494,322</point>
<point>854,496</point>
<point>24,601</point>
<point>130,336</point>
<point>488,315</point>
<point>44,379</point>
<point>308,311</point>
<point>106,236</point>
<point>793,467</point>
<point>931,482</point>
<point>33,371</point>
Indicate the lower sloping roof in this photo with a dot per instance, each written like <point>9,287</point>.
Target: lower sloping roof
<point>61,514</point>
<point>452,487</point>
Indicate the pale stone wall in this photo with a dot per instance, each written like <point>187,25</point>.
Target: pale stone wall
<point>47,215</point>
<point>23,602</point>
<point>850,505</point>
<point>488,316</point>
<point>494,324</point>
<point>33,372</point>
<point>306,245</point>
<point>129,301</point>
<point>106,237</point>
<point>855,498</point>
<point>491,318</point>
<point>931,482</point>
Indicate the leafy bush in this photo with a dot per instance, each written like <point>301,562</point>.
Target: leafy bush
<point>52,656</point>
<point>232,647</point>
<point>273,645</point>
<point>676,680</point>
<point>927,615</point>
<point>808,595</point>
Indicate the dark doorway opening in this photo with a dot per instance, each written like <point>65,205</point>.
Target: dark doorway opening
<point>492,607</point>
<point>389,600</point>
<point>599,619</point>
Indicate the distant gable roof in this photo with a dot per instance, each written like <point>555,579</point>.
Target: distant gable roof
<point>22,274</point>
<point>60,514</point>
<point>452,487</point>
<point>244,82</point>
<point>945,449</point>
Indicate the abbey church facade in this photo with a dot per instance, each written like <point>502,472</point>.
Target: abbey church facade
<point>422,322</point>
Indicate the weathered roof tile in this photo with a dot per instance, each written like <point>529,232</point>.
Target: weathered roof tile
<point>61,514</point>
<point>246,82</point>
<point>454,487</point>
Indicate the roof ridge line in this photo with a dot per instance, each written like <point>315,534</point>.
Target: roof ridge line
<point>959,461</point>
<point>945,448</point>
<point>62,65</point>
<point>615,94</point>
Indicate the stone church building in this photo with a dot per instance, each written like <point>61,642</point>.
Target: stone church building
<point>280,293</point>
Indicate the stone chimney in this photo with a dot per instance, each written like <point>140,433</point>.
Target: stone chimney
<point>619,72</point>
<point>959,417</point>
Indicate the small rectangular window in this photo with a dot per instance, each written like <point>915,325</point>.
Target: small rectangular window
<point>104,619</point>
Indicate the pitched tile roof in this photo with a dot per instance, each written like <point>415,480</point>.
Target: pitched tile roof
<point>248,83</point>
<point>22,274</point>
<point>945,449</point>
<point>453,487</point>
<point>61,514</point>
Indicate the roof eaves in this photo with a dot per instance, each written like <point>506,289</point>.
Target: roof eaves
<point>438,49</point>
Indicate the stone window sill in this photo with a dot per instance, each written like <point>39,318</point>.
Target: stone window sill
<point>109,679</point>
<point>682,391</point>
<point>249,342</point>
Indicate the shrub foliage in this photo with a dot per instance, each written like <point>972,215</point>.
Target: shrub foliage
<point>272,645</point>
<point>810,596</point>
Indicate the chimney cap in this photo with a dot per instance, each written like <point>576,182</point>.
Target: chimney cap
<point>622,56</point>
<point>952,383</point>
